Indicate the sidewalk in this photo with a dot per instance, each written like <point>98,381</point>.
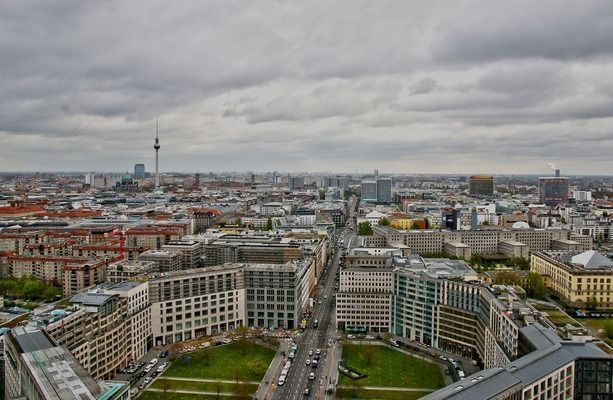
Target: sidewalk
<point>269,381</point>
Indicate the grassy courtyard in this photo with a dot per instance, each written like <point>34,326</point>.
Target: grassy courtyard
<point>378,394</point>
<point>236,361</point>
<point>176,396</point>
<point>387,367</point>
<point>200,370</point>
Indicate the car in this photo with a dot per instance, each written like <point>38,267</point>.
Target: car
<point>350,337</point>
<point>148,368</point>
<point>310,353</point>
<point>318,351</point>
<point>148,379</point>
<point>319,302</point>
<point>308,362</point>
<point>312,376</point>
<point>163,353</point>
<point>370,337</point>
<point>306,392</point>
<point>316,357</point>
<point>142,386</point>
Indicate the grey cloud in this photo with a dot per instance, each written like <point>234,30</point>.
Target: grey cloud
<point>295,85</point>
<point>425,85</point>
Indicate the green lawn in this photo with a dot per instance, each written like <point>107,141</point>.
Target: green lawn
<point>176,396</point>
<point>388,367</point>
<point>379,395</point>
<point>598,324</point>
<point>247,362</point>
<point>161,383</point>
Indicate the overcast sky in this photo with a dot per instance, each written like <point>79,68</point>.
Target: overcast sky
<point>403,86</point>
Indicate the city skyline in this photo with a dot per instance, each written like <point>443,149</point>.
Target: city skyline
<point>404,87</point>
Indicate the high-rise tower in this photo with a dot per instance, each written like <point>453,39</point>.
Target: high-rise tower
<point>156,146</point>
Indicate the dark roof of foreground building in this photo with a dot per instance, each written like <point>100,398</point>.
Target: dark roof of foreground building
<point>551,354</point>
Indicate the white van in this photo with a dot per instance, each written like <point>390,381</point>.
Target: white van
<point>153,362</point>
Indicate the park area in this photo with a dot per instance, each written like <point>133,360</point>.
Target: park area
<point>218,372</point>
<point>391,374</point>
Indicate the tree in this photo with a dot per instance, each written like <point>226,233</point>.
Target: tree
<point>592,303</point>
<point>239,222</point>
<point>608,329</point>
<point>364,228</point>
<point>535,285</point>
<point>384,222</point>
<point>415,225</point>
<point>269,224</point>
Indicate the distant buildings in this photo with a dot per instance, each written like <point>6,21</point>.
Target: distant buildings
<point>483,241</point>
<point>481,185</point>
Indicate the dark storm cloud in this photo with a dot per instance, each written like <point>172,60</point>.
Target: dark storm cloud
<point>291,85</point>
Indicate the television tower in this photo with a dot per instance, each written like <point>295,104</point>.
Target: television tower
<point>156,146</point>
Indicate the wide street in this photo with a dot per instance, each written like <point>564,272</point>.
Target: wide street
<point>317,338</point>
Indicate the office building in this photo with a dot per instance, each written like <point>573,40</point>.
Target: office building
<point>139,171</point>
<point>199,302</point>
<point>123,271</point>
<point>384,190</point>
<point>369,191</point>
<point>191,252</point>
<point>278,294</point>
<point>296,182</point>
<point>97,331</point>
<point>37,368</point>
<point>481,185</point>
<point>577,278</point>
<point>554,190</point>
<point>166,260</point>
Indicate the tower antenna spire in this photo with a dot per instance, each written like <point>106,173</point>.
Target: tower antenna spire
<point>156,146</point>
